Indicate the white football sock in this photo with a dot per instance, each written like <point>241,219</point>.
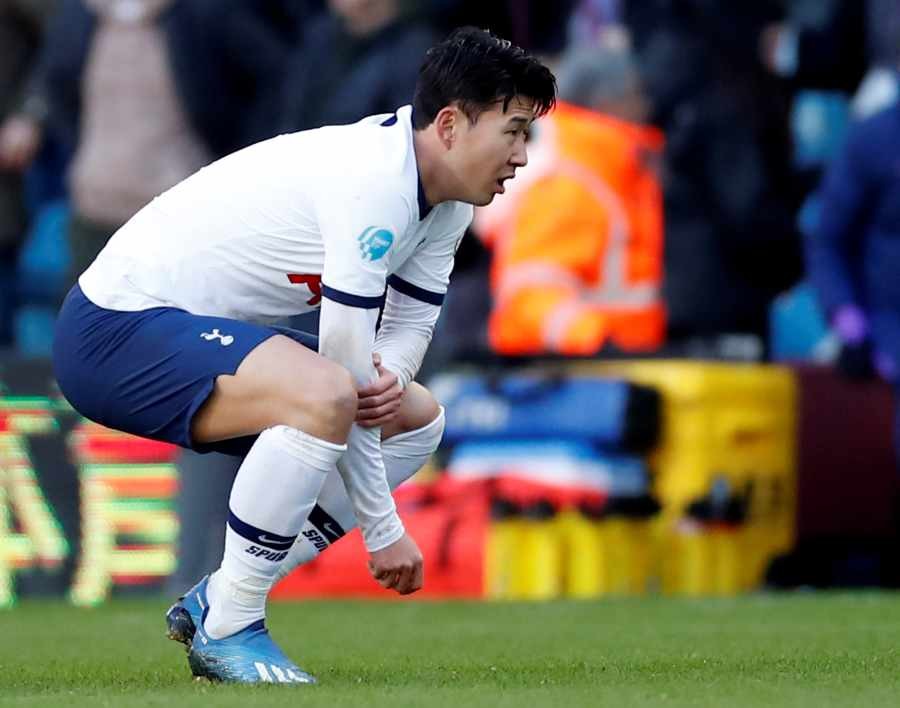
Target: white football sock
<point>275,488</point>
<point>332,517</point>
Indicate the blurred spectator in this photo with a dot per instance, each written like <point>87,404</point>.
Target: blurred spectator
<point>729,195</point>
<point>360,58</point>
<point>111,84</point>
<point>845,45</point>
<point>853,254</point>
<point>244,47</point>
<point>21,30</point>
<point>839,44</point>
<point>592,19</point>
<point>202,508</point>
<point>535,25</point>
<point>880,87</point>
<point>617,22</point>
<point>136,93</point>
<point>818,45</point>
<point>143,93</point>
<point>578,244</point>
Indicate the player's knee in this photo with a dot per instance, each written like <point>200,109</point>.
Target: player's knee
<point>324,405</point>
<point>338,400</point>
<point>419,432</point>
<point>404,454</point>
<point>418,410</point>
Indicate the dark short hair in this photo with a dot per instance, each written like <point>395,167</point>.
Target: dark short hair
<point>476,69</point>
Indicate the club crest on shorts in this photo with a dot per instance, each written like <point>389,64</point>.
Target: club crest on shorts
<point>374,242</point>
<point>224,339</point>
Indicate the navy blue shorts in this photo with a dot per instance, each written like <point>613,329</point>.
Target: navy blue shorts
<point>148,372</point>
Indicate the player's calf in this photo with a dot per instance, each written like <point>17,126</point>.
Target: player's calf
<point>403,454</point>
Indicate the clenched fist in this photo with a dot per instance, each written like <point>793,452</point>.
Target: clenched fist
<point>399,566</point>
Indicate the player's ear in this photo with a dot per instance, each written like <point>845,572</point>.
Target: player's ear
<point>446,123</point>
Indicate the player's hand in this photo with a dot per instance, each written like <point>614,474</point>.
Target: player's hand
<point>20,139</point>
<point>399,566</point>
<point>379,401</point>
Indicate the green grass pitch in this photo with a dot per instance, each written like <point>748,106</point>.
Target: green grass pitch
<point>768,650</point>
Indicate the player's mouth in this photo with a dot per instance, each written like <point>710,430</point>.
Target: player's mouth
<point>500,186</point>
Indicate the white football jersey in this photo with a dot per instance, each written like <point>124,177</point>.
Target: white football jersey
<point>264,233</point>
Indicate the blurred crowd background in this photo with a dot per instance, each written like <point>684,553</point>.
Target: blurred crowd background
<point>721,180</point>
<point>700,132</point>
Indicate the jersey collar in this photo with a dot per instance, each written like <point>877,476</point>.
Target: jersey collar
<point>424,207</point>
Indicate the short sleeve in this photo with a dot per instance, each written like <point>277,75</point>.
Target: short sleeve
<point>426,274</point>
<point>360,223</point>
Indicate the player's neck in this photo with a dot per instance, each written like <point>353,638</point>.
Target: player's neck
<point>432,171</point>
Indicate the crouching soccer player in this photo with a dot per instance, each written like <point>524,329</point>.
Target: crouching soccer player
<point>168,334</point>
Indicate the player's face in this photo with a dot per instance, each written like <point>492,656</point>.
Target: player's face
<point>491,149</point>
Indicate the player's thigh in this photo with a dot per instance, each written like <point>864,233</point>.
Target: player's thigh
<point>280,382</point>
<point>417,410</point>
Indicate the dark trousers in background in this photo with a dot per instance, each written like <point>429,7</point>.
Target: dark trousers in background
<point>897,429</point>
<point>202,507</point>
<point>13,223</point>
<point>86,239</point>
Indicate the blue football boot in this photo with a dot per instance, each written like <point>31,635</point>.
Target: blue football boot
<point>248,656</point>
<point>185,615</point>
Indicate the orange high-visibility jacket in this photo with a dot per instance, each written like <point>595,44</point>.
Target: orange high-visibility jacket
<point>578,245</point>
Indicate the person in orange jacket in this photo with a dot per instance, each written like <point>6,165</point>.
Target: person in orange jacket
<point>578,244</point>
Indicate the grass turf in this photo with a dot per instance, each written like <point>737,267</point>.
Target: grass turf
<point>769,650</point>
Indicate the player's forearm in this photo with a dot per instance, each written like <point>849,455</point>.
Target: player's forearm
<point>345,336</point>
<point>403,355</point>
<point>362,471</point>
<point>406,329</point>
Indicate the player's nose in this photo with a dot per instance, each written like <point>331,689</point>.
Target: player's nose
<point>519,157</point>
